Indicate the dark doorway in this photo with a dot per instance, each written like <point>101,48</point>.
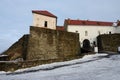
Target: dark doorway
<point>86,46</point>
<point>86,43</point>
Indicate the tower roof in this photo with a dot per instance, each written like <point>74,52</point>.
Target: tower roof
<point>44,12</point>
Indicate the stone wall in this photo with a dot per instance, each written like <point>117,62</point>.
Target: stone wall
<point>46,44</point>
<point>18,49</point>
<point>108,42</point>
<point>42,46</point>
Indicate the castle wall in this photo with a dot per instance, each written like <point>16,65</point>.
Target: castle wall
<point>46,44</point>
<point>42,46</point>
<point>108,42</point>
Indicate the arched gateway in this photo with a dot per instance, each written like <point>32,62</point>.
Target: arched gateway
<point>86,46</point>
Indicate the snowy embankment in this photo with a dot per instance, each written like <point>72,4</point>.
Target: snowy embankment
<point>93,67</point>
<point>87,58</point>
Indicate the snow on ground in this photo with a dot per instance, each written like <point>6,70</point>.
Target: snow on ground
<point>86,58</point>
<point>97,69</point>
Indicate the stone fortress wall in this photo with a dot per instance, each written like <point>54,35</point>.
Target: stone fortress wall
<point>108,42</point>
<point>42,46</point>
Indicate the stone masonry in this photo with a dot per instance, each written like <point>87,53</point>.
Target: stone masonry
<point>42,46</point>
<point>46,44</point>
<point>108,42</point>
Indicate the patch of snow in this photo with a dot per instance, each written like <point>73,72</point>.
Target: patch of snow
<point>94,56</point>
<point>3,55</point>
<point>86,58</point>
<point>101,69</point>
<point>8,61</point>
<point>2,72</point>
<point>115,57</point>
<point>61,64</point>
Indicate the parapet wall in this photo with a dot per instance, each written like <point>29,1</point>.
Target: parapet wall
<point>108,42</point>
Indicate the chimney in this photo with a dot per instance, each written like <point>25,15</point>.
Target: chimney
<point>68,20</point>
<point>87,19</point>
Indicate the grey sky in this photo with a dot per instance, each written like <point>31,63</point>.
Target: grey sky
<point>16,16</point>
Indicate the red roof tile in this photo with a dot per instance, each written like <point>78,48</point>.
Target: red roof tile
<point>87,22</point>
<point>60,28</point>
<point>46,13</point>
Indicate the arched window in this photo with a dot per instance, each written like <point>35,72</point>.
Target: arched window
<point>86,33</point>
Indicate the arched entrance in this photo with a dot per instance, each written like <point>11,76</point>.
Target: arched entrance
<point>86,43</point>
<point>86,46</point>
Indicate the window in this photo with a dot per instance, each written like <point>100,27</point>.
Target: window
<point>45,24</point>
<point>109,32</point>
<point>86,33</point>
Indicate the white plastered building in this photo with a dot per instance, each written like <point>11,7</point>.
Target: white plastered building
<point>89,30</point>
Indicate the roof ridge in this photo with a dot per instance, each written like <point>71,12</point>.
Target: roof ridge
<point>44,12</point>
<point>88,22</point>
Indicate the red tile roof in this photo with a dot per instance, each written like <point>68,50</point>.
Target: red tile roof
<point>87,22</point>
<point>60,28</point>
<point>43,12</point>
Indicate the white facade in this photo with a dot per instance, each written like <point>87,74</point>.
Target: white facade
<point>91,32</point>
<point>87,29</point>
<point>44,21</point>
<point>117,29</point>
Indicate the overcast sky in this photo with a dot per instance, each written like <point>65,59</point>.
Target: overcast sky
<point>16,16</point>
